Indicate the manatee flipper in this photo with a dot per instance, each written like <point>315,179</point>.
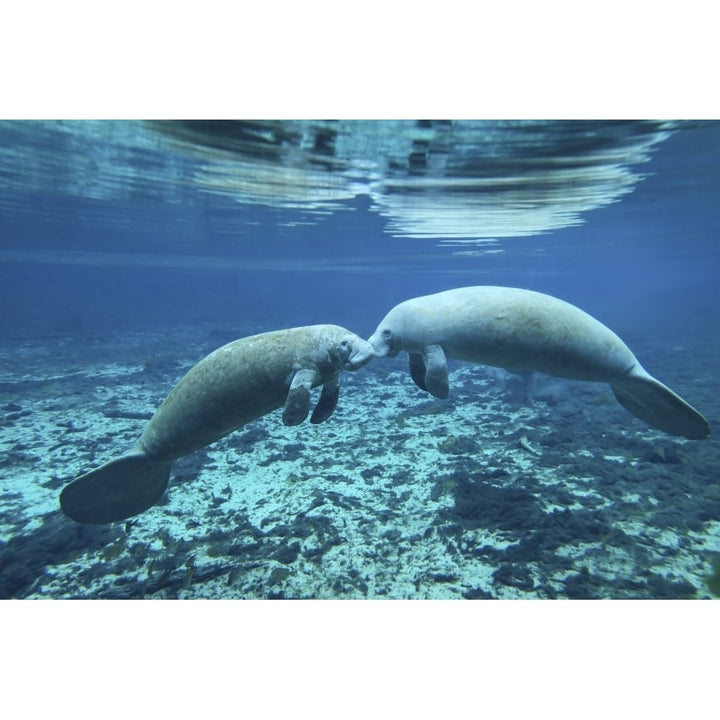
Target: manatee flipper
<point>417,369</point>
<point>117,490</point>
<point>436,375</point>
<point>431,376</point>
<point>297,405</point>
<point>647,398</point>
<point>328,401</point>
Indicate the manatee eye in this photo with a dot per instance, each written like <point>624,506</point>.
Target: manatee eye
<point>386,334</point>
<point>345,349</point>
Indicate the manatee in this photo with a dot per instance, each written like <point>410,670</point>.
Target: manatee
<point>527,331</point>
<point>233,385</point>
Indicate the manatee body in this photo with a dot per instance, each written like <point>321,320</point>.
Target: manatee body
<point>522,330</point>
<point>235,384</point>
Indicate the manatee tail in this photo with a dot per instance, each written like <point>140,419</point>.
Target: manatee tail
<point>117,490</point>
<point>647,398</point>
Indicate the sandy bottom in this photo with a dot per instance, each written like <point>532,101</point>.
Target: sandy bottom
<point>509,489</point>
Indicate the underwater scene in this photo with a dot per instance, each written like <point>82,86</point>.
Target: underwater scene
<point>407,359</point>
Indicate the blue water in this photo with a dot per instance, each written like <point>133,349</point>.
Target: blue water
<point>129,242</point>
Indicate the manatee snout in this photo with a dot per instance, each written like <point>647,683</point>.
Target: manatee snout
<point>361,353</point>
<point>381,343</point>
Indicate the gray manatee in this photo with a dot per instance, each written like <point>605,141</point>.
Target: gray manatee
<point>233,385</point>
<point>523,330</point>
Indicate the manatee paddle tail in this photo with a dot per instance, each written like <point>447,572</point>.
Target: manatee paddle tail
<point>117,490</point>
<point>656,404</point>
